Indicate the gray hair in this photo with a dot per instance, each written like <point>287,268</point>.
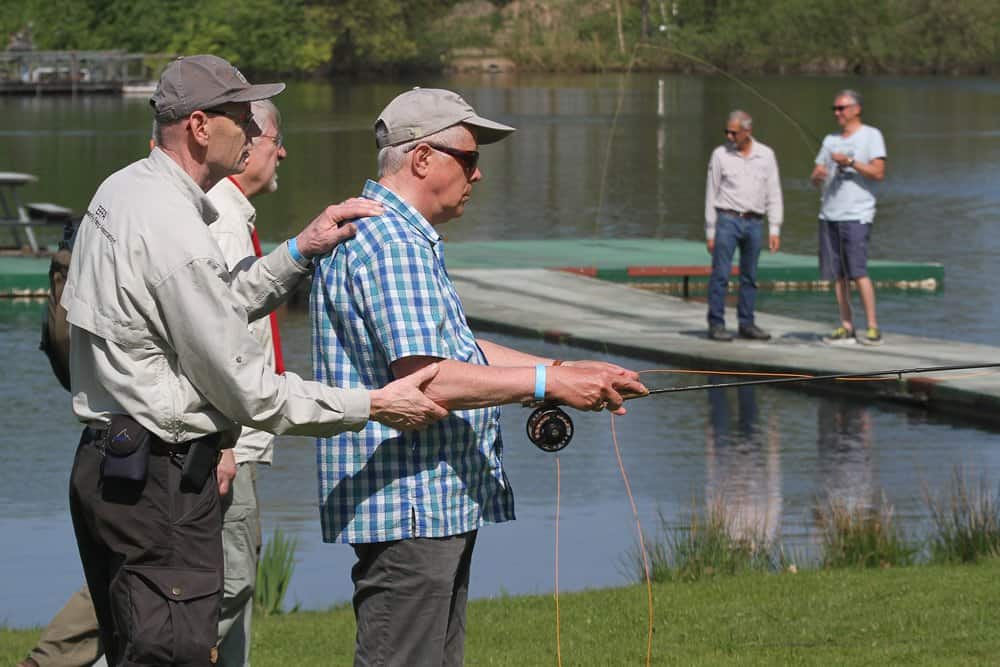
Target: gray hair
<point>157,131</point>
<point>392,158</point>
<point>742,117</point>
<point>853,94</point>
<point>263,111</point>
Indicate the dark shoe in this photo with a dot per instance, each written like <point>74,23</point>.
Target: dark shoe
<point>872,337</point>
<point>754,332</point>
<point>719,333</point>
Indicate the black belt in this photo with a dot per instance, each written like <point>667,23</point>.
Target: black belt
<point>156,445</point>
<point>748,215</point>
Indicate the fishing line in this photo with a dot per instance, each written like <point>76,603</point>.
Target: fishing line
<point>558,628</point>
<point>889,374</point>
<point>642,542</point>
<point>550,428</point>
<point>809,138</point>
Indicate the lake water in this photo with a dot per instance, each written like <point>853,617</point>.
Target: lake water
<point>595,156</point>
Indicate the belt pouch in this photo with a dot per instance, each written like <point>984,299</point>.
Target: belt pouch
<point>202,457</point>
<point>126,450</point>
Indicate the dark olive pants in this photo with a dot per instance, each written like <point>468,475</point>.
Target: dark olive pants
<point>409,601</point>
<point>152,556</point>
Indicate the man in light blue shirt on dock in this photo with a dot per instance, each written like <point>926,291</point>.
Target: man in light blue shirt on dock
<point>848,169</point>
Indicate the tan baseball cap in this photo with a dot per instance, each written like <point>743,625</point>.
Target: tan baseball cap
<point>202,82</point>
<point>423,111</point>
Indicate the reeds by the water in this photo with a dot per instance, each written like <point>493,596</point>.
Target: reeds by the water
<point>862,536</point>
<point>274,573</point>
<point>965,528</point>
<point>708,545</point>
<point>966,521</point>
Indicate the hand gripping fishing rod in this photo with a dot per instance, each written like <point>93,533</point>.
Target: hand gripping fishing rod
<point>551,429</point>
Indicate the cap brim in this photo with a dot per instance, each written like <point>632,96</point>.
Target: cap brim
<point>260,91</point>
<point>488,131</point>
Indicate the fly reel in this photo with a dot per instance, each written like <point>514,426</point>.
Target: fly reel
<point>550,429</point>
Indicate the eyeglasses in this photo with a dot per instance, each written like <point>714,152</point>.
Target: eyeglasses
<point>727,131</point>
<point>839,108</point>
<point>468,159</point>
<point>244,122</point>
<point>278,139</point>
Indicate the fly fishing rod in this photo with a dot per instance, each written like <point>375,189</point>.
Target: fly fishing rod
<point>550,428</point>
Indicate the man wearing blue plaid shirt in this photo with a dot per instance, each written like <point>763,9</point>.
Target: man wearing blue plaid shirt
<point>383,307</point>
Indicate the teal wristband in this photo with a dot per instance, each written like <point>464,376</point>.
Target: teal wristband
<point>540,382</point>
<point>293,248</point>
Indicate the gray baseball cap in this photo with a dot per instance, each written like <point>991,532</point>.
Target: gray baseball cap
<point>202,82</point>
<point>423,111</point>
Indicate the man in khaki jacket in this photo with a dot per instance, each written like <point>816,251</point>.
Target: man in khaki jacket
<point>163,368</point>
<point>72,637</point>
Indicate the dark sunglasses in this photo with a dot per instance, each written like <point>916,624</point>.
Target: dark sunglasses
<point>841,107</point>
<point>468,159</point>
<point>245,122</point>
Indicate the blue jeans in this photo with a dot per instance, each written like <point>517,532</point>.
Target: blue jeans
<point>732,232</point>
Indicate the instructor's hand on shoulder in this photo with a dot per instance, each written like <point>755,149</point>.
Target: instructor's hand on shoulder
<point>402,403</point>
<point>332,227</point>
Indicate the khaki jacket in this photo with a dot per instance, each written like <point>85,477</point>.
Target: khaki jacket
<point>159,325</point>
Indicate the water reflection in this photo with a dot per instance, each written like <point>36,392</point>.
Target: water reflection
<point>846,467</point>
<point>743,465</point>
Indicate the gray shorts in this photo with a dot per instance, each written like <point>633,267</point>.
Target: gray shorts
<point>843,249</point>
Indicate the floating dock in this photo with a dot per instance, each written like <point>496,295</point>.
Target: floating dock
<point>30,72</point>
<point>607,319</point>
<point>671,265</point>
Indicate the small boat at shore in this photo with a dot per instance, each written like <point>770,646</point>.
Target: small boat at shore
<point>29,72</point>
<point>143,89</point>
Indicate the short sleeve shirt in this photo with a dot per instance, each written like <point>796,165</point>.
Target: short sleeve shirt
<point>847,195</point>
<point>379,297</point>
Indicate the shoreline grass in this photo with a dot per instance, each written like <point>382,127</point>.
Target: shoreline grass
<point>966,520</point>
<point>921,615</point>
<point>860,536</point>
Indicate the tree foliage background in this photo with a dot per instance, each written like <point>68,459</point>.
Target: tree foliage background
<point>292,36</point>
<point>324,36</point>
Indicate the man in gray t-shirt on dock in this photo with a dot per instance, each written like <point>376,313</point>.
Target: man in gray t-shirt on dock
<point>848,168</point>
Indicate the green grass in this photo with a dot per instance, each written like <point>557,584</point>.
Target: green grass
<point>923,615</point>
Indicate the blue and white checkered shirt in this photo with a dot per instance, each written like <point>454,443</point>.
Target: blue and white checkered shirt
<point>383,296</point>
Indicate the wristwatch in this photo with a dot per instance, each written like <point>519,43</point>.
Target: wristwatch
<point>850,162</point>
